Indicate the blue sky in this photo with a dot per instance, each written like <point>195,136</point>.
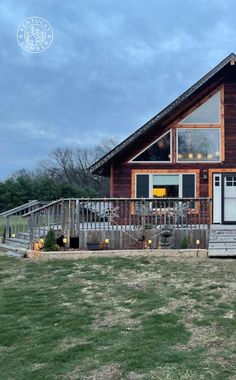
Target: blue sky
<point>113,65</point>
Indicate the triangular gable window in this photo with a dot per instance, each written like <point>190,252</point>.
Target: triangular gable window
<point>207,113</point>
<point>159,151</point>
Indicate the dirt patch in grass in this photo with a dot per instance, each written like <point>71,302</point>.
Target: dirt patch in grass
<point>108,372</point>
<point>71,342</point>
<point>119,315</point>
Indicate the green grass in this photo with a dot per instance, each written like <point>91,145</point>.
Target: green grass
<point>113,318</point>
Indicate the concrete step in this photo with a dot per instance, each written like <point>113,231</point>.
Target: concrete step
<point>223,232</point>
<point>23,235</point>
<point>222,240</point>
<point>222,245</point>
<point>6,247</point>
<point>214,252</point>
<point>226,233</point>
<point>17,242</point>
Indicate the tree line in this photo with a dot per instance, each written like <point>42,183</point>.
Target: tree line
<point>63,174</point>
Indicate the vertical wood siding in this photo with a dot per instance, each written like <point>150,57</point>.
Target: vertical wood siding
<point>122,169</point>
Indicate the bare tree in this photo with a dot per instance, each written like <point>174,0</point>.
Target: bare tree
<point>71,164</point>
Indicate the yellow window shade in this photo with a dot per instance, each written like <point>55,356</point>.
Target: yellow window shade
<point>159,192</point>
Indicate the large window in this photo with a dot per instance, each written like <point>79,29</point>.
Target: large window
<point>207,113</point>
<point>159,151</point>
<point>165,185</point>
<point>198,144</point>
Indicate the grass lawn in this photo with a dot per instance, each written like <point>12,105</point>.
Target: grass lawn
<point>114,318</point>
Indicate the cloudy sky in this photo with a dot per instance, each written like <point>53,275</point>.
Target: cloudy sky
<point>113,64</point>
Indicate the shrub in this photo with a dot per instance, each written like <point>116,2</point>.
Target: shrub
<point>185,243</point>
<point>50,242</point>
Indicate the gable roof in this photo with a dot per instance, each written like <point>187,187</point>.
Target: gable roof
<point>106,159</point>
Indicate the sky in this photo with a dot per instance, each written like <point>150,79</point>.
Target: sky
<point>113,65</point>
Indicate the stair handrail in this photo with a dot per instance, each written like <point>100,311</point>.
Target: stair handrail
<point>23,207</point>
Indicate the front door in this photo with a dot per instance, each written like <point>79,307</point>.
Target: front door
<point>229,198</point>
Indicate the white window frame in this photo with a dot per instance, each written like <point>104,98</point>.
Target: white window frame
<point>195,123</point>
<point>154,162</point>
<point>180,182</point>
<point>196,161</point>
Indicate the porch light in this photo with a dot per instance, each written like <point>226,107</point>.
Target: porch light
<point>41,241</point>
<point>106,243</point>
<point>190,156</point>
<point>64,240</point>
<point>205,174</point>
<point>149,241</point>
<point>13,235</point>
<point>197,244</point>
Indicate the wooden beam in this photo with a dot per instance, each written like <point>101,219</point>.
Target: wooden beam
<point>111,180</point>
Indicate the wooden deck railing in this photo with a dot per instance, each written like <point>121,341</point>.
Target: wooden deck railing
<point>133,219</point>
<point>71,216</point>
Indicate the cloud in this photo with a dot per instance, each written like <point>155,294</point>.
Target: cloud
<point>113,64</point>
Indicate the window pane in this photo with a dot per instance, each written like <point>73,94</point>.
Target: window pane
<point>165,179</point>
<point>199,144</point>
<point>165,186</point>
<point>159,151</point>
<point>208,112</point>
<point>168,191</point>
<point>188,185</point>
<point>142,183</point>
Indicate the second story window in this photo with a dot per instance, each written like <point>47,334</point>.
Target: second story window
<point>207,113</point>
<point>159,151</point>
<point>198,145</point>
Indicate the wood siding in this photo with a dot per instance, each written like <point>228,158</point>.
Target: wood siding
<point>122,170</point>
<point>230,123</point>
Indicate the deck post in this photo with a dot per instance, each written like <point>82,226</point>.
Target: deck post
<point>77,216</point>
<point>143,219</point>
<point>31,229</point>
<point>208,220</point>
<point>7,227</point>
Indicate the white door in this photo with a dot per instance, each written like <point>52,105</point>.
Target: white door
<point>217,198</point>
<point>230,198</point>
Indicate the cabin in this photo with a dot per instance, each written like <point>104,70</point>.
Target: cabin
<point>188,150</point>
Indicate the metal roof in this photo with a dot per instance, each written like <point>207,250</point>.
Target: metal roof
<point>110,155</point>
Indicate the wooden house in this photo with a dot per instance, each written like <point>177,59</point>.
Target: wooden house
<point>186,150</point>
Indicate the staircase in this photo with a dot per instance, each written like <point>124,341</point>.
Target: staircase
<point>222,241</point>
<point>19,243</point>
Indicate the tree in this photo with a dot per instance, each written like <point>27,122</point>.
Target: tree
<point>64,174</point>
<point>72,165</point>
